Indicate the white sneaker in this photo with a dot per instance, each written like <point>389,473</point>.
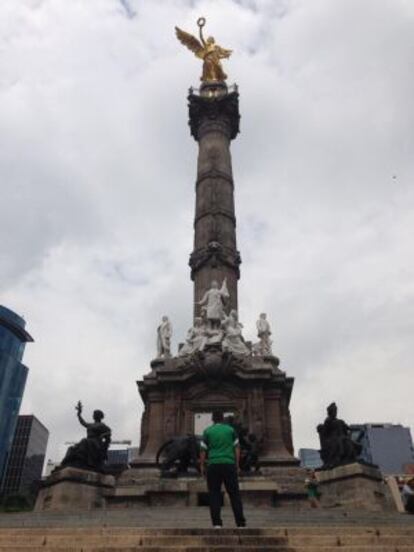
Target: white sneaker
<point>217,527</point>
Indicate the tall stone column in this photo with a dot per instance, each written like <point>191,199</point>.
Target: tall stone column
<point>214,122</point>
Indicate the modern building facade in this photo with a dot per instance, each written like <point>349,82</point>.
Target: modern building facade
<point>119,455</point>
<point>13,375</point>
<point>389,446</point>
<point>27,456</point>
<point>310,458</point>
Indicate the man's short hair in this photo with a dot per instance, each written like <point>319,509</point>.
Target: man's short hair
<point>218,416</point>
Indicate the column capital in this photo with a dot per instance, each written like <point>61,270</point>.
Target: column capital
<point>214,113</point>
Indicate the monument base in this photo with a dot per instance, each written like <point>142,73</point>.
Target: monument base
<point>144,487</point>
<point>73,489</point>
<point>354,486</point>
<point>251,388</point>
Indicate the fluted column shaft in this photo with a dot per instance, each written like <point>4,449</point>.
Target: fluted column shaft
<point>214,123</point>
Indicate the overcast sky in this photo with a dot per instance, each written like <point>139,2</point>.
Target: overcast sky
<point>97,170</point>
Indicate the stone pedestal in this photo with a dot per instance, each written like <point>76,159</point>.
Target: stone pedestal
<point>354,486</point>
<point>73,489</point>
<point>253,388</point>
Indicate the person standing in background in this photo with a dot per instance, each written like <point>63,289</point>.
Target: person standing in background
<point>311,484</point>
<point>407,494</point>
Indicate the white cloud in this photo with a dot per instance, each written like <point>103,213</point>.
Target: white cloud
<point>97,169</point>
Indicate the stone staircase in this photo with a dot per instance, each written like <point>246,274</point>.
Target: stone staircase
<point>292,539</point>
<point>187,530</point>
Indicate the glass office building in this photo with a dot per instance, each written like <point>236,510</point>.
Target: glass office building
<point>27,457</point>
<point>13,375</point>
<point>310,458</point>
<point>389,446</point>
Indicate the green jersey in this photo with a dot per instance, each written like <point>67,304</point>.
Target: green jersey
<point>220,440</point>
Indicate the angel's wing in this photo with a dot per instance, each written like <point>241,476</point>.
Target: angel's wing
<point>223,53</point>
<point>190,41</point>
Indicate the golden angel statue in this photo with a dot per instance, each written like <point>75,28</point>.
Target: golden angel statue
<point>210,52</point>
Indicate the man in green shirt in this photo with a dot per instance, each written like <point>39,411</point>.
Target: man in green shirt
<point>220,446</point>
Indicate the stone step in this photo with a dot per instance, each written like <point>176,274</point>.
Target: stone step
<point>278,531</point>
<point>218,548</point>
<point>188,520</point>
<point>291,539</point>
<point>302,539</point>
<point>120,548</point>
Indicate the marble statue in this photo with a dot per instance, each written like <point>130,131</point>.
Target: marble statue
<point>207,50</point>
<point>214,335</point>
<point>164,334</point>
<point>264,346</point>
<point>214,299</point>
<point>233,341</point>
<point>91,452</point>
<point>337,446</point>
<point>196,338</point>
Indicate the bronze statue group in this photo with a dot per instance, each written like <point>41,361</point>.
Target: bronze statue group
<point>227,448</point>
<point>176,456</point>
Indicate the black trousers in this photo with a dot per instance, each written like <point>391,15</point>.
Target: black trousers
<point>409,505</point>
<point>217,474</point>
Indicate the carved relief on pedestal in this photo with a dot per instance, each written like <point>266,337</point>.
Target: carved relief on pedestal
<point>257,413</point>
<point>212,365</point>
<point>170,414</point>
<point>203,398</point>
